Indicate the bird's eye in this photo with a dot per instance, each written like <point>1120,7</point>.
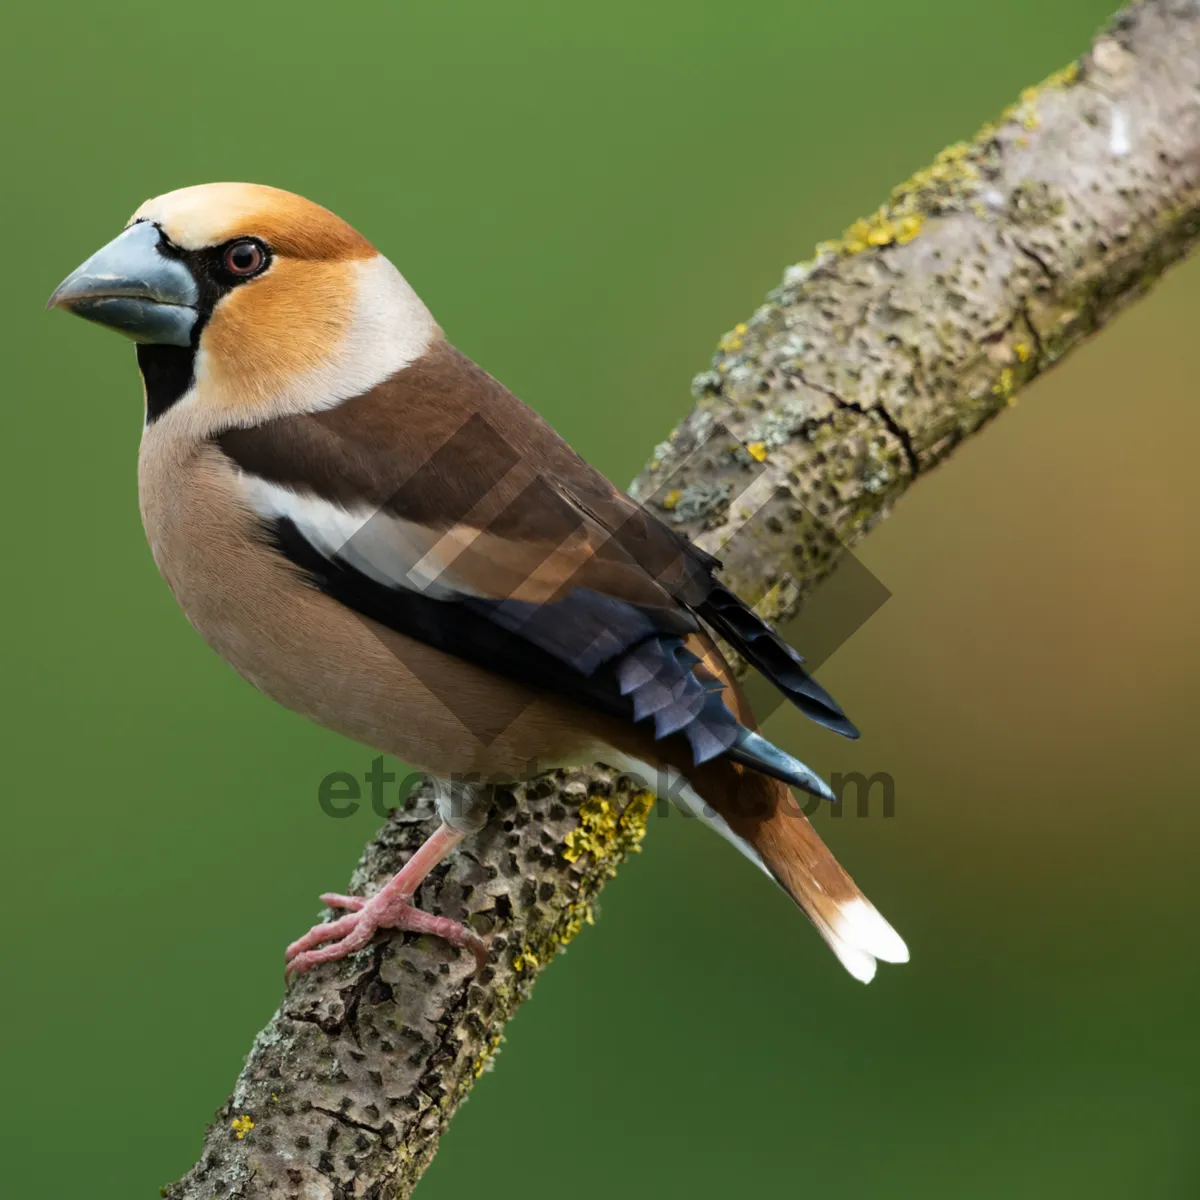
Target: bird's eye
<point>244,258</point>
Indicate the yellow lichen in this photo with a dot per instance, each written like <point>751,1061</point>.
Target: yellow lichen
<point>484,1060</point>
<point>578,915</point>
<point>734,339</point>
<point>526,958</point>
<point>942,186</point>
<point>881,228</point>
<point>607,833</point>
<point>946,185</point>
<point>241,1126</point>
<point>1026,111</point>
<point>757,451</point>
<point>634,817</point>
<point>671,499</point>
<point>596,833</point>
<point>1022,350</point>
<point>604,833</point>
<point>1003,387</point>
<point>908,227</point>
<point>1062,78</point>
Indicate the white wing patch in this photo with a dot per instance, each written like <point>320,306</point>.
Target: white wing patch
<point>390,551</point>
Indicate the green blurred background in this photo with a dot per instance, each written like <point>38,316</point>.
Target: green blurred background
<point>588,195</point>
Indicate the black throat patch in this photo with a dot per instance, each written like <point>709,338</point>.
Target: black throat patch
<point>167,372</point>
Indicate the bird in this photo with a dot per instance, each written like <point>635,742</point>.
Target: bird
<point>380,536</point>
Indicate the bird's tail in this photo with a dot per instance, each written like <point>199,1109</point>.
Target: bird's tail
<point>761,817</point>
<point>791,850</point>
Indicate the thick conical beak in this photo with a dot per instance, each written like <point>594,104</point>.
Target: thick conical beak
<point>132,287</point>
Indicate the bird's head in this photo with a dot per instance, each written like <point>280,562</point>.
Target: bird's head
<point>248,302</point>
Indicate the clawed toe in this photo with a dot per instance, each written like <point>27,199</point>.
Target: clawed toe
<point>352,932</point>
<point>347,934</point>
<point>325,932</point>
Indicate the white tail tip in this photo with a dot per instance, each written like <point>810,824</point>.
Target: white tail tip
<point>859,924</point>
<point>860,964</point>
<point>858,935</point>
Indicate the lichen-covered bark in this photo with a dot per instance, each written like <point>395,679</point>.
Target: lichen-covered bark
<point>871,363</point>
<point>864,369</point>
<point>347,1090</point>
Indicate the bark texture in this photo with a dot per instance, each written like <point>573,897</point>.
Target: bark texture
<point>864,369</point>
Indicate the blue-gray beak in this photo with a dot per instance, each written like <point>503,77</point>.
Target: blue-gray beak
<point>132,287</point>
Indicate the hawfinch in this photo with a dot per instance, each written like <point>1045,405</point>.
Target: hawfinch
<point>379,535</point>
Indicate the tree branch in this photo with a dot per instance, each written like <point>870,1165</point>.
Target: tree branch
<point>866,368</point>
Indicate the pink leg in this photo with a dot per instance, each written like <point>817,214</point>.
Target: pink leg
<point>390,908</point>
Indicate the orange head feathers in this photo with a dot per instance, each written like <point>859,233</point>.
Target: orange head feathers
<point>211,214</point>
<point>249,302</point>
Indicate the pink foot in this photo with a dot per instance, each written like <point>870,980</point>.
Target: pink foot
<point>353,931</point>
<point>390,908</point>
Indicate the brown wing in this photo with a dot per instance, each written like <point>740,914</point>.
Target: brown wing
<point>469,499</point>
